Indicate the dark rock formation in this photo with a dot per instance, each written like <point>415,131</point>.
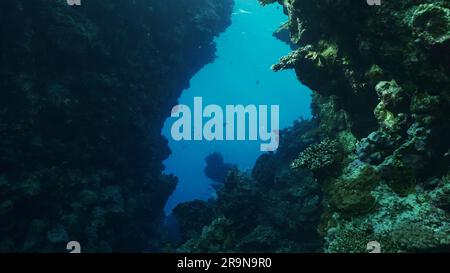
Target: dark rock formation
<point>381,82</point>
<point>84,92</point>
<point>216,169</point>
<point>192,217</point>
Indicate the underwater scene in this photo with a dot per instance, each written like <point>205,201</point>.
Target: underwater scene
<point>224,126</point>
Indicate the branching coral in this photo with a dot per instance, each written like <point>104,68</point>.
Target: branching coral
<point>318,156</point>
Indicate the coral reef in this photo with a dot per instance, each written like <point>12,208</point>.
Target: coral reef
<point>84,94</point>
<point>381,82</point>
<point>374,161</point>
<point>193,216</point>
<point>273,209</point>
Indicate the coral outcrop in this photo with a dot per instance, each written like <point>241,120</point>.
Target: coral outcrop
<point>272,209</point>
<point>84,92</point>
<point>216,169</point>
<point>318,156</point>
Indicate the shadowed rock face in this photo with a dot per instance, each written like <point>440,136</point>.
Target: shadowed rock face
<point>84,92</point>
<point>216,169</point>
<point>381,82</point>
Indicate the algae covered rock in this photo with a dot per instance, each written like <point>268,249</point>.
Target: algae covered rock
<point>351,193</point>
<point>431,24</point>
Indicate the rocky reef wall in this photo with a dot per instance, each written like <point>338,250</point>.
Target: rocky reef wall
<point>381,82</point>
<point>84,92</point>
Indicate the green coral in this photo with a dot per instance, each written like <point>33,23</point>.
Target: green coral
<point>411,222</point>
<point>399,177</point>
<point>391,99</point>
<point>217,237</point>
<point>431,23</point>
<point>441,195</point>
<point>348,240</point>
<point>375,73</point>
<point>401,224</point>
<point>192,217</point>
<point>262,239</point>
<point>350,194</point>
<point>424,103</point>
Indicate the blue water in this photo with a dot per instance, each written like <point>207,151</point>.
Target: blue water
<point>240,75</point>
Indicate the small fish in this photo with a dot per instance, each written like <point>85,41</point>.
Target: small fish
<point>244,11</point>
<point>257,82</point>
